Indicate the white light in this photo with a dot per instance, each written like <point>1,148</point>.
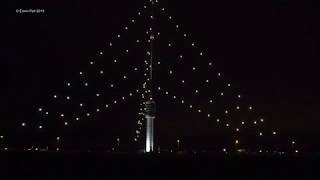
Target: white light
<point>158,62</point>
<point>40,127</point>
<point>81,104</point>
<point>242,122</point>
<point>185,35</point>
<point>98,110</point>
<point>119,36</point>
<point>126,28</point>
<point>162,9</point>
<point>167,92</point>
<point>210,63</point>
<point>159,88</point>
<point>170,72</point>
<point>110,44</point>
<point>139,13</point>
<point>47,113</point>
<point>123,97</point>
<point>145,7</point>
<point>182,101</point>
<point>23,124</point>
<point>260,151</point>
<point>115,102</point>
<point>124,77</point>
<point>293,142</point>
<point>177,26</point>
<point>66,123</point>
<point>224,150</point>
<point>221,93</point>
<point>80,73</point>
<point>196,91</point>
<point>274,133</point>
<point>209,115</point>
<point>254,122</point>
<point>86,84</point>
<point>127,50</point>
<point>68,84</point>
<point>227,125</point>
<point>101,72</point>
<point>192,44</point>
<point>218,120</point>
<point>158,33</point>
<point>77,119</point>
<point>40,109</point>
<point>250,107</point>
<point>54,96</point>
<point>193,68</point>
<point>207,81</point>
<point>170,17</point>
<point>182,81</point>
<point>101,53</point>
<point>97,94</point>
<point>138,41</point>
<point>91,62</point>
<point>132,20</point>
<point>107,105</point>
<point>238,107</point>
<point>68,97</point>
<point>190,106</point>
<point>260,134</point>
<point>201,53</point>
<point>261,120</point>
<point>169,44</point>
<point>174,97</point>
<point>88,114</point>
<point>58,138</point>
<point>226,112</point>
<point>229,85</point>
<point>1,137</point>
<point>199,110</point>
<point>181,56</point>
<point>115,61</point>
<point>210,101</point>
<point>130,94</point>
<point>111,85</point>
<point>237,129</point>
<point>237,142</point>
<point>239,96</point>
<point>219,74</point>
<point>296,151</point>
<point>62,115</point>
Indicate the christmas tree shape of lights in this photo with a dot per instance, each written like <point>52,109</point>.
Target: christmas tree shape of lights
<point>166,74</point>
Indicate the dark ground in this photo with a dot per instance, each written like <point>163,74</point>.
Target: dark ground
<point>123,166</point>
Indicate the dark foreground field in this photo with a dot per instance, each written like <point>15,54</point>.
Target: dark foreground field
<point>73,166</point>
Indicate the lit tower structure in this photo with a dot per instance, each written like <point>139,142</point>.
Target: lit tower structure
<point>150,108</point>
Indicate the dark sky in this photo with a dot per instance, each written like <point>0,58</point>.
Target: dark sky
<point>268,49</point>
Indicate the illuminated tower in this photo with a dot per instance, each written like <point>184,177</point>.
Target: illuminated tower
<point>150,107</point>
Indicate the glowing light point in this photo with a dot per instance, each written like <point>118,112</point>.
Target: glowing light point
<point>62,115</point>
<point>68,97</point>
<point>80,73</point>
<point>77,119</point>
<point>237,129</point>
<point>68,84</point>
<point>170,17</point>
<point>250,107</point>
<point>107,105</point>
<point>192,44</point>
<point>40,109</point>
<point>242,122</point>
<point>40,127</point>
<point>182,101</point>
<point>260,134</point>
<point>237,107</point>
<point>130,94</point>
<point>66,123</point>
<point>110,44</point>
<point>23,124</point>
<point>111,85</point>
<point>177,26</point>
<point>210,101</point>
<point>274,133</point>
<point>118,36</point>
<point>101,53</point>
<point>97,94</point>
<point>219,74</point>
<point>237,142</point>
<point>224,150</point>
<point>190,106</point>
<point>239,96</point>
<point>182,81</point>
<point>55,96</point>
<point>185,35</point>
<point>98,110</point>
<point>86,84</point>
<point>261,120</point>
<point>209,115</point>
<point>210,63</point>
<point>201,53</point>
<point>88,114</point>
<point>221,94</point>
<point>227,125</point>
<point>218,120</point>
<point>115,102</point>
<point>199,110</point>
<point>81,104</point>
<point>101,72</point>
<point>126,28</point>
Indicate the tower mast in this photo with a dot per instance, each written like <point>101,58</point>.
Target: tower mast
<point>150,103</point>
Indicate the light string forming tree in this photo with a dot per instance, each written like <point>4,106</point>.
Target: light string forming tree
<point>258,121</point>
<point>85,84</point>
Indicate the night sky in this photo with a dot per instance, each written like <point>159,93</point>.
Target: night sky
<point>268,50</point>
